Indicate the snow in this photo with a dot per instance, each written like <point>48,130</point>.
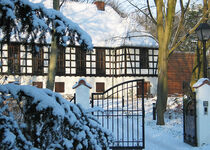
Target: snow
<point>202,106</point>
<point>169,136</point>
<point>200,82</point>
<point>41,26</point>
<point>39,96</point>
<point>82,96</point>
<point>106,28</point>
<point>86,83</point>
<point>9,137</point>
<point>104,32</point>
<point>82,93</point>
<point>70,124</point>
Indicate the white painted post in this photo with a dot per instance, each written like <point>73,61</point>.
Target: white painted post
<point>203,111</point>
<point>82,93</point>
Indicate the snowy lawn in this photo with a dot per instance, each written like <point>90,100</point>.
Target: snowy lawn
<point>170,136</point>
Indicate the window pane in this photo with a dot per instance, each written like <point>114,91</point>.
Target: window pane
<point>100,62</point>
<point>59,87</point>
<point>80,62</point>
<point>60,69</point>
<point>14,59</point>
<point>144,59</point>
<point>99,86</point>
<point>38,62</point>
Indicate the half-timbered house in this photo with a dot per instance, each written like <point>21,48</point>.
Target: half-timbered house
<point>122,51</point>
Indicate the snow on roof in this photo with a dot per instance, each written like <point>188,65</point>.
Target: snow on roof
<point>106,28</point>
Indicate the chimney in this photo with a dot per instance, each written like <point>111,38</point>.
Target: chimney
<point>100,5</point>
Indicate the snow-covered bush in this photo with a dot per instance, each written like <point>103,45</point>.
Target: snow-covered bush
<point>48,121</point>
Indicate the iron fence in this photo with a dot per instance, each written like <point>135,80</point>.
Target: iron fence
<point>123,113</point>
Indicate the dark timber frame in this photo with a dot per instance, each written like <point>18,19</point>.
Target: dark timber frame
<point>102,61</point>
<point>123,113</point>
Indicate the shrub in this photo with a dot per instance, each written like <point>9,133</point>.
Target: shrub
<point>47,121</point>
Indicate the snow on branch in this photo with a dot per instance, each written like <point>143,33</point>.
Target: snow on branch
<point>46,121</point>
<point>29,22</point>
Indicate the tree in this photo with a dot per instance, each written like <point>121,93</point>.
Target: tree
<point>198,69</point>
<point>164,23</point>
<point>168,34</point>
<point>174,46</point>
<point>53,53</point>
<point>32,118</point>
<point>192,16</point>
<point>164,27</point>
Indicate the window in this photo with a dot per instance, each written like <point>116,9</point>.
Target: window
<point>38,84</point>
<point>14,59</point>
<point>144,59</point>
<point>59,87</point>
<point>80,62</point>
<point>146,89</point>
<point>38,62</point>
<point>60,69</point>
<point>99,86</point>
<point>100,62</point>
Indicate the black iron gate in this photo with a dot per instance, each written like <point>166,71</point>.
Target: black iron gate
<point>123,113</point>
<point>189,117</point>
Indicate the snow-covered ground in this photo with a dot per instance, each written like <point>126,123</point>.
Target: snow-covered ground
<point>170,136</point>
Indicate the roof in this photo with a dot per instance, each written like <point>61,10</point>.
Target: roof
<point>106,28</point>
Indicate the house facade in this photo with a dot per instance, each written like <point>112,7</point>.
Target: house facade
<point>103,68</point>
<point>119,55</point>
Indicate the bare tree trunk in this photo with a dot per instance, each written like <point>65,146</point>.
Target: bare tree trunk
<point>53,55</point>
<point>162,89</point>
<point>164,27</point>
<point>52,64</point>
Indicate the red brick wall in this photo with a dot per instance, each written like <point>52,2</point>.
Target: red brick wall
<point>179,69</point>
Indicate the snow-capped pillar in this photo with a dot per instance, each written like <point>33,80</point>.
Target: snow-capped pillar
<point>203,110</point>
<point>82,93</point>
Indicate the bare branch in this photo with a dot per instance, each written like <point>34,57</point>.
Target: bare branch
<point>61,4</point>
<point>181,5</point>
<point>140,10</point>
<point>190,32</point>
<point>188,3</point>
<point>181,22</point>
<point>133,36</point>
<point>150,13</point>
